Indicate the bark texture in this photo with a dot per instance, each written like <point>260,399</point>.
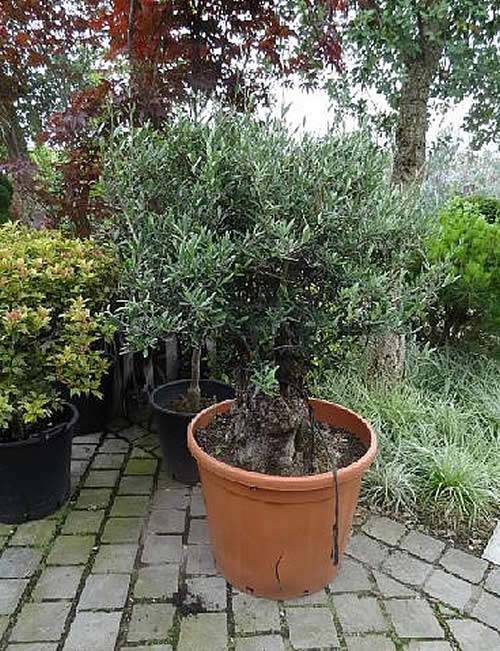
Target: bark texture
<point>11,134</point>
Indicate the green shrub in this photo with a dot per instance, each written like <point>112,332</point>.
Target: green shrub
<point>53,291</point>
<point>468,240</point>
<point>6,192</point>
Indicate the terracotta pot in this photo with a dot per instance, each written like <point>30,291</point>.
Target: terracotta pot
<point>272,536</point>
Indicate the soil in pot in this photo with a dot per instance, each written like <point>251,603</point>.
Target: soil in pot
<point>35,475</point>
<point>333,447</point>
<point>171,423</point>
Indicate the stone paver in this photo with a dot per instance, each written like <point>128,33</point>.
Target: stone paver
<point>492,550</point>
<point>150,622</point>
<point>19,562</point>
<point>424,546</point>
<point>151,581</point>
<point>311,628</point>
<point>253,615</point>
<point>104,592</point>
<point>370,643</point>
<point>58,583</point>
<point>414,618</point>
<point>367,550</point>
<point>207,631</point>
<point>449,589</point>
<point>406,568</point>
<point>115,558</point>
<point>157,582</point>
<point>162,549</point>
<point>40,622</point>
<point>36,533</point>
<point>10,594</point>
<point>71,550</point>
<point>487,610</point>
<point>464,565</point>
<point>359,614</point>
<point>473,636</point>
<point>93,632</point>
<point>389,531</point>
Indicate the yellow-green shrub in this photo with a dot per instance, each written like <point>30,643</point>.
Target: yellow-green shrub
<point>53,292</point>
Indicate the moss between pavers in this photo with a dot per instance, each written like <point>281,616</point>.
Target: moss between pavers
<point>141,467</point>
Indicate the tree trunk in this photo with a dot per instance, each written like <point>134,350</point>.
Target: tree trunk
<point>11,134</point>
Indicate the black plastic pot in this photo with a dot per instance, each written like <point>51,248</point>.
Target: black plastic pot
<point>35,475</point>
<point>94,412</point>
<point>172,425</point>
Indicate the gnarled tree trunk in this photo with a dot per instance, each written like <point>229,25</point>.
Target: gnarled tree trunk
<point>11,134</point>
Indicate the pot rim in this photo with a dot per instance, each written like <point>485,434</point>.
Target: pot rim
<point>50,432</point>
<point>276,482</point>
<point>172,412</point>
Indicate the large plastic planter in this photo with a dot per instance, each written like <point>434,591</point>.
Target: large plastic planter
<point>35,475</point>
<point>272,536</point>
<point>172,425</point>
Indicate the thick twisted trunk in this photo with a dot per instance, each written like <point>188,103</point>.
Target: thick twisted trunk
<point>11,134</point>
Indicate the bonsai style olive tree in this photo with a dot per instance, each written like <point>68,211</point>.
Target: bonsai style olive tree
<point>290,242</point>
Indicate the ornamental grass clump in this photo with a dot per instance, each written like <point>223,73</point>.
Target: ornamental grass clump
<point>279,245</point>
<point>53,293</point>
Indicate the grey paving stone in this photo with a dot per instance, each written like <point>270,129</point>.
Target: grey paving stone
<point>114,445</point>
<point>108,461</point>
<point>19,562</point>
<point>197,505</point>
<point>115,559</point>
<point>385,529</point>
<point>83,522</point>
<point>132,433</point>
<point>92,439</point>
<point>316,599</point>
<point>136,485</point>
<point>472,636</point>
<point>171,498</point>
<point>448,588</point>
<point>435,645</point>
<point>40,622</point>
<point>150,622</point>
<point>487,610</point>
<point>141,467</point>
<point>83,451</point>
<point>104,592</point>
<point>493,581</point>
<point>370,643</point>
<point>122,530</point>
<point>36,534</point>
<point>359,614</point>
<point>261,643</point>
<point>424,546</point>
<point>93,632</point>
<point>207,631</point>
<point>6,529</point>
<point>390,587</point>
<point>58,583</point>
<point>71,550</point>
<point>198,532</point>
<point>200,560</point>
<point>165,521</point>
<point>311,628</point>
<point>253,615</point>
<point>407,569</point>
<point>127,506</point>
<point>149,647</point>
<point>352,577</point>
<point>492,549</point>
<point>140,453</point>
<point>10,594</point>
<point>4,622</point>
<point>208,591</point>
<point>162,549</point>
<point>42,646</point>
<point>101,479</point>
<point>414,618</point>
<point>157,582</point>
<point>466,566</point>
<point>93,498</point>
<point>367,550</point>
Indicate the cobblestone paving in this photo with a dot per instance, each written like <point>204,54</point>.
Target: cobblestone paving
<point>126,564</point>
